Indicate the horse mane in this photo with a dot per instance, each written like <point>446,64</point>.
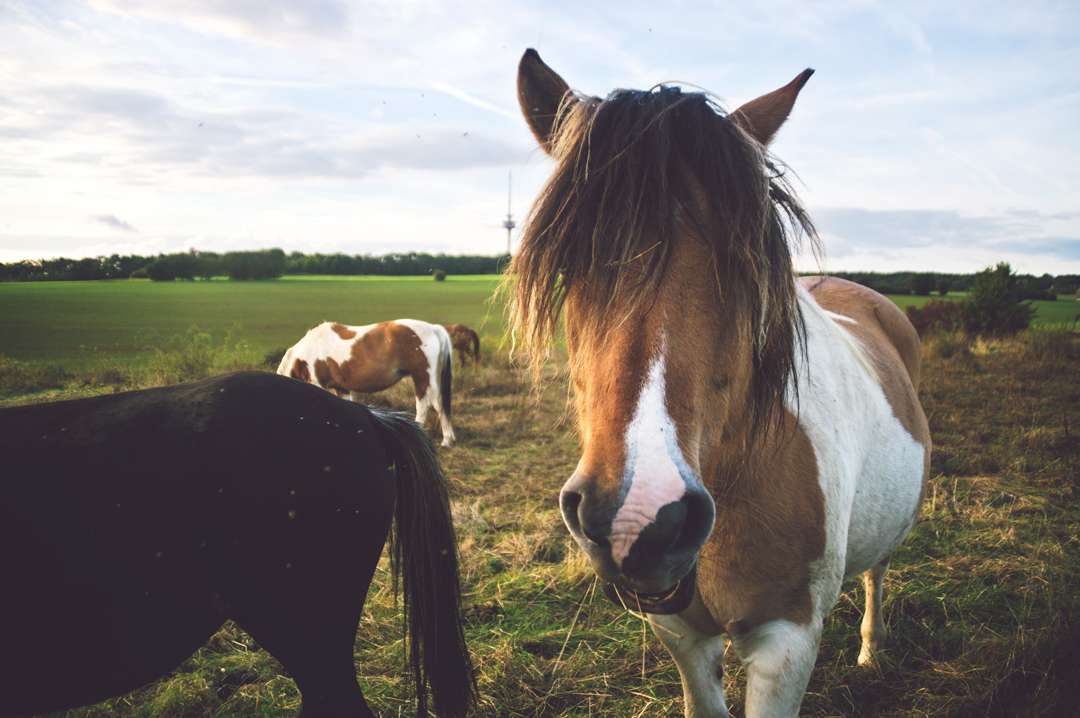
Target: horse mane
<point>632,171</point>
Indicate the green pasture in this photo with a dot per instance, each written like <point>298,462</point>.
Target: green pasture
<point>77,321</point>
<point>1066,310</point>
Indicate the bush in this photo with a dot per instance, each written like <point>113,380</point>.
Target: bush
<point>439,275</point>
<point>937,315</point>
<point>994,305</point>
<point>192,355</point>
<point>943,286</point>
<point>139,273</point>
<point>274,357</point>
<point>17,376</point>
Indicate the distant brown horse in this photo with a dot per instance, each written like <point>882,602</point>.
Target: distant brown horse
<point>465,341</point>
<point>749,440</point>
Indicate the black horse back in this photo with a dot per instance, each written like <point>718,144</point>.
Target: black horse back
<point>132,525</point>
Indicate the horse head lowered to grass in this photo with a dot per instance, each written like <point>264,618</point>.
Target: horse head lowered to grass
<point>750,439</point>
<point>466,343</point>
<point>133,525</point>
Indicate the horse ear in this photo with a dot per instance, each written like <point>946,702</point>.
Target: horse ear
<point>761,118</point>
<point>540,92</point>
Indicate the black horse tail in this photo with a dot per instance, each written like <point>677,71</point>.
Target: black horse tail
<point>446,373</point>
<point>423,554</point>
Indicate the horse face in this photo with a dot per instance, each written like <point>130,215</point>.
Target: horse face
<point>662,351</point>
<point>652,388</point>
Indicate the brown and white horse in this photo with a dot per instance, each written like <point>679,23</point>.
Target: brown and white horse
<point>750,440</point>
<point>466,343</point>
<point>361,360</point>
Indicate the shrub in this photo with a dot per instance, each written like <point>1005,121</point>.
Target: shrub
<point>936,315</point>
<point>139,273</point>
<point>192,355</point>
<point>994,305</point>
<point>17,376</point>
<point>439,275</point>
<point>273,358</point>
<point>943,286</point>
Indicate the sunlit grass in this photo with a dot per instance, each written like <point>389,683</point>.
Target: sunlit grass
<point>982,601</point>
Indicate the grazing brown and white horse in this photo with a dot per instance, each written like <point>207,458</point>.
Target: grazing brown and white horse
<point>361,360</point>
<point>750,440</point>
<point>466,343</point>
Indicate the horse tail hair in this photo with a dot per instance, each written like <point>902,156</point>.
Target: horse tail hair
<point>423,556</point>
<point>475,347</point>
<point>446,373</point>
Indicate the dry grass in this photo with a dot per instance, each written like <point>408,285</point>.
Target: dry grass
<point>982,600</point>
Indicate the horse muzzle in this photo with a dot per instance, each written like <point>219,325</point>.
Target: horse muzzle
<point>646,554</point>
<point>675,600</point>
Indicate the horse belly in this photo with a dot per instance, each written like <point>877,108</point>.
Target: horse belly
<point>887,497</point>
<point>368,380</point>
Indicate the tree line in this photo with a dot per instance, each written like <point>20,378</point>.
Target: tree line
<point>1027,286</point>
<point>274,263</point>
<point>254,265</point>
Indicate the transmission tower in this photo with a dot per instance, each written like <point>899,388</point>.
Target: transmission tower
<point>509,223</point>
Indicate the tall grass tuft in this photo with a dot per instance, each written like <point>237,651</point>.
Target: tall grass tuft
<point>193,355</point>
<point>17,376</point>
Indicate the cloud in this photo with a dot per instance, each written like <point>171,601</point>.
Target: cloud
<point>112,221</point>
<point>140,137</point>
<point>465,97</point>
<point>274,21</point>
<point>849,231</point>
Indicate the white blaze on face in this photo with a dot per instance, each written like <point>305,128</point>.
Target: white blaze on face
<point>653,464</point>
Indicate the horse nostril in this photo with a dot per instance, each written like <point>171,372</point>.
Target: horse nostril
<point>597,539</point>
<point>570,503</point>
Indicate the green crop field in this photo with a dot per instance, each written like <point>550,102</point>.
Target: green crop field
<point>1065,311</point>
<point>77,322</point>
<point>74,321</point>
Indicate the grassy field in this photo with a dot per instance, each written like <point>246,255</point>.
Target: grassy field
<point>982,601</point>
<point>1064,312</point>
<point>77,322</point>
<point>71,321</point>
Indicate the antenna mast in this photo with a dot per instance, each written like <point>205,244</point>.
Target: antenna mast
<point>509,223</point>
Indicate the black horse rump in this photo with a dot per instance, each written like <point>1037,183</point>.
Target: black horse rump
<point>133,525</point>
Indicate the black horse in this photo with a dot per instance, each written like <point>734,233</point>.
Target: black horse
<point>133,525</point>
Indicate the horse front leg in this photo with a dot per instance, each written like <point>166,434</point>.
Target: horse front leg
<point>779,657</point>
<point>700,660</point>
<point>873,625</point>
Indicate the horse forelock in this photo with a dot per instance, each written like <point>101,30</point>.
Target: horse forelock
<point>637,172</point>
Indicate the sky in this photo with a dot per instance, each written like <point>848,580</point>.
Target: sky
<point>934,136</point>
